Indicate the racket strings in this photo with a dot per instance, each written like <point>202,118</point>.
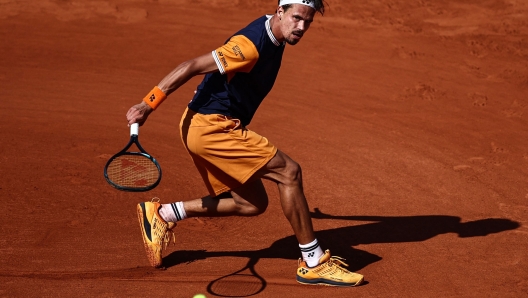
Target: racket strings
<point>133,171</point>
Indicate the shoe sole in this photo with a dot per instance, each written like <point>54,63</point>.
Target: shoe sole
<point>150,254</point>
<point>325,282</point>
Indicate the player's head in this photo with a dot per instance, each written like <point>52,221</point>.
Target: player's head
<point>295,17</point>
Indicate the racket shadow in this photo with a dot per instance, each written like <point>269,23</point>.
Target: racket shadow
<point>244,282</point>
<point>241,283</point>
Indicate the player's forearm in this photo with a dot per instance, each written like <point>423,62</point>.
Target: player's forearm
<point>179,76</point>
<point>169,84</point>
<point>176,78</point>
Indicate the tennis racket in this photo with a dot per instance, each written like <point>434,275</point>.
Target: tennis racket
<point>133,171</point>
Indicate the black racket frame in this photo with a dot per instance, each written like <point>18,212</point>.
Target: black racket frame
<point>133,141</point>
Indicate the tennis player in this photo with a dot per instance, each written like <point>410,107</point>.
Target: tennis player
<point>231,158</point>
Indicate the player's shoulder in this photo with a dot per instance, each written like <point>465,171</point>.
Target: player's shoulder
<point>256,30</point>
<point>258,23</point>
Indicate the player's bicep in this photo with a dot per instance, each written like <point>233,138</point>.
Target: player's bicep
<point>204,64</point>
<point>239,54</point>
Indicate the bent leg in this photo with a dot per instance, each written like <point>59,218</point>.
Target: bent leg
<point>250,199</point>
<point>287,174</point>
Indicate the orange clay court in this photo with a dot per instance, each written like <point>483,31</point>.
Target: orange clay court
<point>409,119</point>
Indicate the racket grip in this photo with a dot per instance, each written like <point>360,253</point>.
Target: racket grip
<point>134,129</point>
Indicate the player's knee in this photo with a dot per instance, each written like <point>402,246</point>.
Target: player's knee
<point>293,173</point>
<point>252,209</point>
<point>256,209</point>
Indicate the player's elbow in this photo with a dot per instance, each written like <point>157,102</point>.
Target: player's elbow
<point>188,69</point>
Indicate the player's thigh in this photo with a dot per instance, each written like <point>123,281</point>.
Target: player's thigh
<point>251,194</point>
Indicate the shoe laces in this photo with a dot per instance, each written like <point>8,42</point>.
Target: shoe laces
<point>167,237</point>
<point>336,263</point>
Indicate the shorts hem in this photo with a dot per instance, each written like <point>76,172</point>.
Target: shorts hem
<point>249,175</point>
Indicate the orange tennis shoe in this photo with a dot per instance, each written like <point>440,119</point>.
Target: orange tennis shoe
<point>156,232</point>
<point>329,272</point>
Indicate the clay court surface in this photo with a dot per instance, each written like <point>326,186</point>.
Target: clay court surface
<point>409,119</point>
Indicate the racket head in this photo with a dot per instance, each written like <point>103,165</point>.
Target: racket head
<point>132,171</point>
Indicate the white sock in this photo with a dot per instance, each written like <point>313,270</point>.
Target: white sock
<point>311,253</point>
<point>172,212</point>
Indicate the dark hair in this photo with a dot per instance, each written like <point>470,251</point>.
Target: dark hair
<point>319,6</point>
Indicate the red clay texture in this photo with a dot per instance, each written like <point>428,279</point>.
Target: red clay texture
<point>409,119</point>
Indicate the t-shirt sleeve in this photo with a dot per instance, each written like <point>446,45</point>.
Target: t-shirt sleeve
<point>239,54</point>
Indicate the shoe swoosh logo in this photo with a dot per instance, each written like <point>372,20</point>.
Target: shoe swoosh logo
<point>146,223</point>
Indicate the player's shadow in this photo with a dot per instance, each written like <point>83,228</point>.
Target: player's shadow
<point>379,229</point>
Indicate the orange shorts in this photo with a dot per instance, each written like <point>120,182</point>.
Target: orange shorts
<point>225,153</point>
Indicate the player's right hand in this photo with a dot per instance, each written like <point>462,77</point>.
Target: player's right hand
<point>138,113</point>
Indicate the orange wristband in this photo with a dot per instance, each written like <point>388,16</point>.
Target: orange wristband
<point>155,98</point>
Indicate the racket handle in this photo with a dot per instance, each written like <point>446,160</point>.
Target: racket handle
<point>134,129</point>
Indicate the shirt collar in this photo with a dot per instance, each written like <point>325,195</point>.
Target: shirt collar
<point>270,33</point>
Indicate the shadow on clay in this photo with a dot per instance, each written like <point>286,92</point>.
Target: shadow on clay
<point>246,282</point>
<point>382,229</point>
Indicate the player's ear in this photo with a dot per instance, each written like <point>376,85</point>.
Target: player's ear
<point>280,11</point>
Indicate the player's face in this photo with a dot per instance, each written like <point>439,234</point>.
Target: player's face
<point>295,22</point>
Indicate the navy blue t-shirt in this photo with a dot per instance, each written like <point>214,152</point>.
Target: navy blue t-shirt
<point>248,65</point>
